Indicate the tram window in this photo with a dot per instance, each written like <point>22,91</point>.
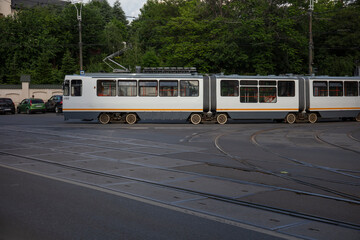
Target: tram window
<point>189,88</point>
<point>66,88</point>
<point>286,88</point>
<point>268,83</point>
<point>320,88</point>
<point>249,94</point>
<point>249,82</point>
<point>76,87</point>
<point>106,88</point>
<point>229,88</point>
<point>336,89</point>
<point>351,88</point>
<point>127,88</point>
<point>148,88</point>
<point>168,88</point>
<point>267,95</point>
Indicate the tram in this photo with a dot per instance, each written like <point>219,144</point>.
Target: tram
<point>197,98</point>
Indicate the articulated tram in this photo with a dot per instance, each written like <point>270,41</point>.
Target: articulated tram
<point>197,98</point>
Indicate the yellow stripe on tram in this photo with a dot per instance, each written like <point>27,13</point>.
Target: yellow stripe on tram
<point>131,110</point>
<point>319,109</point>
<point>257,109</point>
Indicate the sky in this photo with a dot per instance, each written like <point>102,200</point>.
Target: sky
<point>130,7</point>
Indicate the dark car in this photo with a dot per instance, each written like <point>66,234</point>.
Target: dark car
<point>31,105</point>
<point>54,104</point>
<point>7,105</point>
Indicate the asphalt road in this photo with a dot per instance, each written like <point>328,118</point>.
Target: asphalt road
<point>307,168</point>
<point>34,207</point>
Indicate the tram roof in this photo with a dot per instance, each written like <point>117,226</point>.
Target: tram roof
<point>255,77</point>
<point>196,75</point>
<point>335,78</point>
<point>138,75</point>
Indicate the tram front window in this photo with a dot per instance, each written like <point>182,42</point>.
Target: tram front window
<point>66,88</point>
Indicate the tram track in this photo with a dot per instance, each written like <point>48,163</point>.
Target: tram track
<point>350,135</point>
<point>283,176</point>
<point>199,193</point>
<point>337,171</point>
<point>194,192</point>
<point>320,139</point>
<point>249,167</point>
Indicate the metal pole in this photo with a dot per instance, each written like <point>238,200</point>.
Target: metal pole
<point>78,13</point>
<point>80,47</point>
<point>311,43</point>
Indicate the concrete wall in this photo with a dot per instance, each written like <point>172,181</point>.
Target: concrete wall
<point>5,7</point>
<point>18,92</point>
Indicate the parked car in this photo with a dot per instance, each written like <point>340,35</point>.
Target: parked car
<point>54,104</point>
<point>7,105</point>
<point>31,105</point>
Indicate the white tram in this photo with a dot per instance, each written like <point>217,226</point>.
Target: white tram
<point>197,98</point>
<point>130,97</point>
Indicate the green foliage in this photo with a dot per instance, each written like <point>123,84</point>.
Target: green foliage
<point>248,37</point>
<point>114,35</point>
<point>150,59</point>
<point>230,36</point>
<point>68,65</point>
<point>118,13</point>
<point>44,40</point>
<point>339,34</point>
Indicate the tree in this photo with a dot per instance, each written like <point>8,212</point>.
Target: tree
<point>234,37</point>
<point>68,65</point>
<point>337,38</point>
<point>150,59</point>
<point>119,13</point>
<point>114,35</point>
<point>105,10</point>
<point>42,70</point>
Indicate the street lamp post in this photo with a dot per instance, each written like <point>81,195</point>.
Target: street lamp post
<point>311,43</point>
<point>78,13</point>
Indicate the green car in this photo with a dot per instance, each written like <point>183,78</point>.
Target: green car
<point>31,105</point>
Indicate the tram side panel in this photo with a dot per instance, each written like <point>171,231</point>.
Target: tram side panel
<point>257,97</point>
<point>334,97</point>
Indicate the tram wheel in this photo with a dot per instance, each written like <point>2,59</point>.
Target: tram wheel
<point>104,118</point>
<point>358,118</point>
<point>221,118</point>
<point>195,118</point>
<point>312,117</point>
<point>290,118</point>
<point>130,118</point>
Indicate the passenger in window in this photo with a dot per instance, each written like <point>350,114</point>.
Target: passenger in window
<point>101,91</point>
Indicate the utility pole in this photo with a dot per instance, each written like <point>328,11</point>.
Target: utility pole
<point>311,43</point>
<point>78,13</point>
